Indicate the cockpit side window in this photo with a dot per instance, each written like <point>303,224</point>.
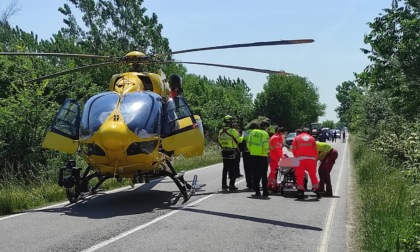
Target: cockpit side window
<point>147,82</point>
<point>175,109</point>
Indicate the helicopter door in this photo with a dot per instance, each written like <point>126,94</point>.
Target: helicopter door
<point>64,131</point>
<point>181,131</point>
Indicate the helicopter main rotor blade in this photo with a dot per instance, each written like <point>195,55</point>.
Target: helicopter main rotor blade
<point>235,67</point>
<point>268,43</point>
<point>63,55</point>
<point>72,71</point>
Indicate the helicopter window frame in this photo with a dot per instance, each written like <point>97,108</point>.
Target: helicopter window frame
<point>176,109</point>
<point>67,120</point>
<point>176,112</point>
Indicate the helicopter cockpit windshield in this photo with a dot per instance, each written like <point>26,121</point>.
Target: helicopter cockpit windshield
<point>141,112</point>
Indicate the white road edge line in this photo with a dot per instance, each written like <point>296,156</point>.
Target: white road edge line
<point>112,191</point>
<point>323,246</point>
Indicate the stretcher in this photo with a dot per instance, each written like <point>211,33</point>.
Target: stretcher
<point>286,178</point>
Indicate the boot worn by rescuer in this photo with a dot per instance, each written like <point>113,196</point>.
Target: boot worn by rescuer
<point>233,188</point>
<point>318,194</point>
<point>301,194</point>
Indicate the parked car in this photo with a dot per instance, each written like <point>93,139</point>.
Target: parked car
<point>338,132</point>
<point>290,137</point>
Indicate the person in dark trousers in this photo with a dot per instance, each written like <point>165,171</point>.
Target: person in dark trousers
<point>257,143</point>
<point>229,139</point>
<point>246,156</point>
<point>327,155</point>
<point>238,156</point>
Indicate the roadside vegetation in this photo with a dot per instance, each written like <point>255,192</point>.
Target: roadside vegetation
<point>382,109</point>
<point>389,210</point>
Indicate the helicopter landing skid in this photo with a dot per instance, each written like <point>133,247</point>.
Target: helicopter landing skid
<point>77,185</point>
<point>186,189</point>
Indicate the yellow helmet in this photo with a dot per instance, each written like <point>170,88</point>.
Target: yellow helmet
<point>228,118</point>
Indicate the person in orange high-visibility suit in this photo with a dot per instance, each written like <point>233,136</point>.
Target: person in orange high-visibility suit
<point>305,149</point>
<point>276,153</point>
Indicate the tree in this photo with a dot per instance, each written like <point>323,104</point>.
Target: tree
<point>212,100</point>
<point>346,95</point>
<point>289,101</point>
<point>395,57</point>
<point>11,10</point>
<point>328,124</point>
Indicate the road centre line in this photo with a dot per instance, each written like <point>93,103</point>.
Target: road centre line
<point>323,246</point>
<point>106,192</point>
<point>122,235</point>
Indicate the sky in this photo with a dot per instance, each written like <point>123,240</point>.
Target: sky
<point>337,26</point>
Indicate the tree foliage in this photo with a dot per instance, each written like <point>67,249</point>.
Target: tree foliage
<point>328,124</point>
<point>383,105</point>
<point>289,101</point>
<point>347,94</point>
<point>395,57</point>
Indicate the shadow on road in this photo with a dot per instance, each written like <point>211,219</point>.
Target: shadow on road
<point>254,219</point>
<point>143,199</point>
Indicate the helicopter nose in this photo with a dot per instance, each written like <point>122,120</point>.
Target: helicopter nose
<point>112,135</point>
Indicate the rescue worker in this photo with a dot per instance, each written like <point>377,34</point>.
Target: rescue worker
<point>257,143</point>
<point>276,153</point>
<point>327,155</point>
<point>238,156</point>
<point>175,84</point>
<point>246,156</point>
<point>304,147</point>
<point>229,139</point>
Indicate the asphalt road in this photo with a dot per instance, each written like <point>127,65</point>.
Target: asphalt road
<point>151,217</point>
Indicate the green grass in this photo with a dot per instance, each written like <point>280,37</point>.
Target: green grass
<point>16,197</point>
<point>389,211</point>
<point>211,156</point>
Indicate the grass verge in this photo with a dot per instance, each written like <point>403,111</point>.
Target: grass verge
<point>389,210</point>
<point>16,197</point>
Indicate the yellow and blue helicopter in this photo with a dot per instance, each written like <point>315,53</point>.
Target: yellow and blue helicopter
<point>136,128</point>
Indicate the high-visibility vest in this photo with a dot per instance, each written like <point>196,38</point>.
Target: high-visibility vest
<point>257,143</point>
<point>304,145</point>
<point>323,149</point>
<point>229,138</point>
<point>245,134</point>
